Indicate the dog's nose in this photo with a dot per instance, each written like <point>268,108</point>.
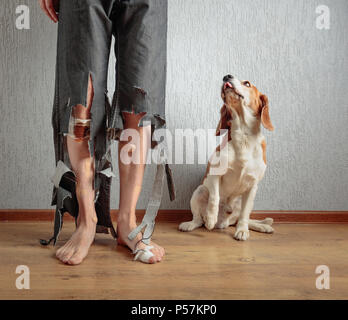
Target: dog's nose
<point>227,78</point>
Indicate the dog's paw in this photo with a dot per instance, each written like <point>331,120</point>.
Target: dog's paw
<point>222,224</point>
<point>187,226</point>
<point>211,217</point>
<point>210,222</point>
<point>265,228</point>
<point>268,221</point>
<point>242,233</point>
<point>261,227</point>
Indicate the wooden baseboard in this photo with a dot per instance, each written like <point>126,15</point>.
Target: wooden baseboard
<point>288,216</point>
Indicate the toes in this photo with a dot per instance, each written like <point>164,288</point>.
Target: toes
<point>61,252</point>
<point>58,253</point>
<point>264,228</point>
<point>157,253</point>
<point>152,260</point>
<point>269,229</point>
<point>77,258</point>
<point>186,226</point>
<point>66,257</point>
<point>210,223</point>
<point>222,225</point>
<point>160,256</point>
<point>158,250</point>
<point>65,252</point>
<point>161,251</point>
<point>68,253</point>
<point>268,221</point>
<point>182,226</point>
<point>241,235</point>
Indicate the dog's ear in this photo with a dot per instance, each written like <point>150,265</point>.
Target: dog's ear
<point>224,118</point>
<point>265,118</point>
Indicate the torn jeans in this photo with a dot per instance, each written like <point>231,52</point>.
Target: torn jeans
<point>85,31</point>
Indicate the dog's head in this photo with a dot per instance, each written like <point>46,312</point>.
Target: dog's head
<point>242,97</point>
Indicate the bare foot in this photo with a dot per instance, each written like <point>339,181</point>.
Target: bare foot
<point>123,230</point>
<point>76,248</point>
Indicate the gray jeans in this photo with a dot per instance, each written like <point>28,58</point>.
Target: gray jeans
<point>85,32</point>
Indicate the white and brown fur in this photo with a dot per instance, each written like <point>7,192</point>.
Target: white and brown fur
<point>228,199</point>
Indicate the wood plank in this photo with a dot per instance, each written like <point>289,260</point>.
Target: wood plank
<point>198,265</point>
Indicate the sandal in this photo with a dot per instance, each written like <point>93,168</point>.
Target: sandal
<point>144,255</point>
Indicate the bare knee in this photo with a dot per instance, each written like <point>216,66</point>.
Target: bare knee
<point>131,119</point>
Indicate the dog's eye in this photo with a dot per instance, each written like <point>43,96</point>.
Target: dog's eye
<point>247,84</point>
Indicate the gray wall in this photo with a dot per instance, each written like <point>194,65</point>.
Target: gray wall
<point>274,44</point>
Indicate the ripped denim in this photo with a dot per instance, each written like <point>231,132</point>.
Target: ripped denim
<point>85,31</point>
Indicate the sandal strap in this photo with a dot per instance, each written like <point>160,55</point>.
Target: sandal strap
<point>143,254</point>
<point>153,205</point>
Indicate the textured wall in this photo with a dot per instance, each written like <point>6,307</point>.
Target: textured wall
<point>274,44</point>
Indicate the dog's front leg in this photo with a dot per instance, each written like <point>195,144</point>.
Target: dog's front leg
<point>242,230</point>
<point>211,217</point>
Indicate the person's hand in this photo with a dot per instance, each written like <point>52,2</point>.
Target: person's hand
<point>49,7</point>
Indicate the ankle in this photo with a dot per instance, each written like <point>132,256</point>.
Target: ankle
<point>126,219</point>
<point>90,220</point>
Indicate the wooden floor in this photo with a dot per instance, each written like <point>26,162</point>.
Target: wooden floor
<point>198,265</point>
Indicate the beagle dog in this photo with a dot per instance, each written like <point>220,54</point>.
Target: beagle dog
<point>227,198</point>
